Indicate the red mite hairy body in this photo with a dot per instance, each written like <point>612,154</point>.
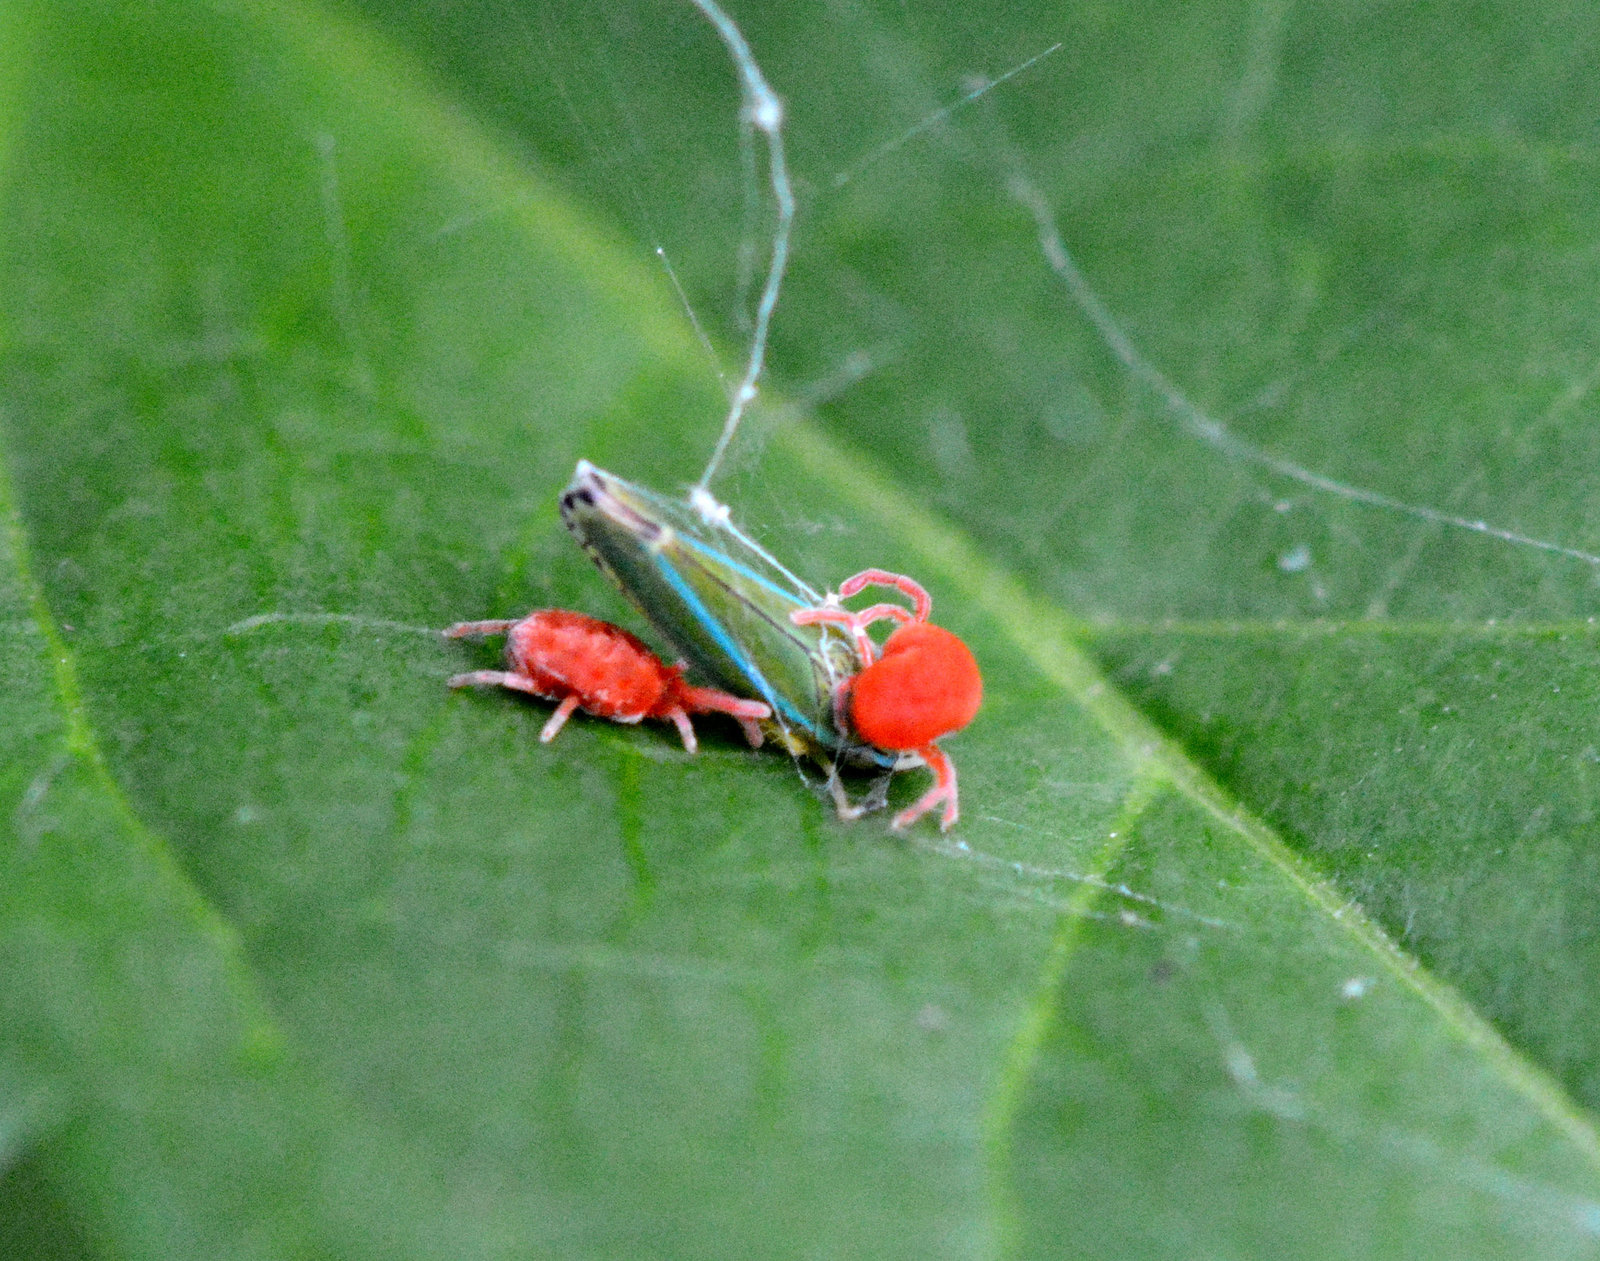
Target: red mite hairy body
<point>602,669</point>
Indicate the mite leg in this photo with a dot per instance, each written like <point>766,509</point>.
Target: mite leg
<point>883,578</point>
<point>878,612</point>
<point>855,623</point>
<point>685,729</point>
<point>848,810</point>
<point>461,630</point>
<point>944,789</point>
<point>710,700</point>
<point>491,678</point>
<point>558,719</point>
<point>839,617</point>
<point>522,683</point>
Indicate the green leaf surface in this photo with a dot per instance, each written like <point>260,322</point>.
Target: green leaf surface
<point>1267,929</point>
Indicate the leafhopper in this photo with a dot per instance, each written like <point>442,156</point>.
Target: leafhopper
<point>780,656</point>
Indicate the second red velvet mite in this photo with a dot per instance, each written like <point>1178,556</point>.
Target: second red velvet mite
<point>601,669</point>
<point>784,660</point>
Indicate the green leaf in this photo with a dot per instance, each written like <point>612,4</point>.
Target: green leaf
<point>1265,931</point>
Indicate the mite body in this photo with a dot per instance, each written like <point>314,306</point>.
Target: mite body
<point>787,661</point>
<point>591,665</point>
<point>922,684</point>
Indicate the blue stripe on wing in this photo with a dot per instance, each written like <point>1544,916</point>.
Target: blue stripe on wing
<point>722,558</point>
<point>726,642</point>
<point>737,655</point>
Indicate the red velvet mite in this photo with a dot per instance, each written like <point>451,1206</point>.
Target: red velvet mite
<point>585,663</point>
<point>921,685</point>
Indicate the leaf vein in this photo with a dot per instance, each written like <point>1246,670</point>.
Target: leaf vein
<point>1046,636</point>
